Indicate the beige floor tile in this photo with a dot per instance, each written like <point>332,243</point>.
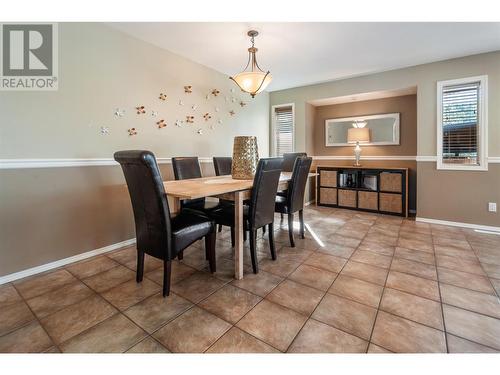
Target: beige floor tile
<point>426,271</point>
<point>496,285</point>
<point>377,247</point>
<point>415,255</point>
<point>404,336</point>
<point>455,252</point>
<point>471,300</point>
<point>414,285</point>
<point>380,238</point>
<point>58,299</point>
<point>260,284</point>
<point>14,316</point>
<point>280,267</point>
<point>179,272</point>
<point>337,250</point>
<point>131,292</point>
<point>336,239</point>
<point>415,245</point>
<point>230,303</point>
<point>375,349</point>
<point>29,339</point>
<point>365,272</point>
<point>150,263</point>
<point>465,280</point>
<point>411,235</point>
<point>74,319</point>
<point>347,315</point>
<point>472,326</point>
<point>148,345</point>
<point>295,296</point>
<point>109,279</point>
<point>225,269</point>
<point>371,258</point>
<point>36,285</point>
<point>460,345</point>
<point>317,337</point>
<point>198,286</point>
<point>327,262</point>
<point>454,241</point>
<point>351,231</point>
<point>91,267</point>
<point>237,341</point>
<point>114,335</point>
<point>273,324</point>
<point>156,311</point>
<point>357,290</point>
<point>192,332</point>
<point>409,306</point>
<point>8,295</point>
<point>492,270</point>
<point>123,256</point>
<point>459,264</point>
<point>313,277</point>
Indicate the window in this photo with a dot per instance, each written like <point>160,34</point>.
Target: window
<point>462,124</point>
<point>283,129</point>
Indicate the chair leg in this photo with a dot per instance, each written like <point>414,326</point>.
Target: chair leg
<point>271,241</point>
<point>180,256</point>
<point>140,266</point>
<point>281,216</point>
<point>301,219</point>
<point>264,229</point>
<point>232,237</point>
<point>167,270</point>
<point>220,228</point>
<point>244,235</point>
<point>290,229</point>
<point>253,250</point>
<point>210,250</point>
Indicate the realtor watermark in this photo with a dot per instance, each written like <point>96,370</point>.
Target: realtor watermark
<point>28,57</point>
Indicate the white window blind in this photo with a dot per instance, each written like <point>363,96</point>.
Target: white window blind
<point>460,123</point>
<point>283,130</point>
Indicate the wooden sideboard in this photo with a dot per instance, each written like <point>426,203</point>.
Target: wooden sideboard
<point>382,190</point>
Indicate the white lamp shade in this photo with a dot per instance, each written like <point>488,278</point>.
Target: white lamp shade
<point>361,135</point>
<point>251,81</point>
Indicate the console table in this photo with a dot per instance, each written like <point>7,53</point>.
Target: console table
<point>372,189</point>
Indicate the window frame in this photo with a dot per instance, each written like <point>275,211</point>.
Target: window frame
<point>273,126</point>
<point>482,124</point>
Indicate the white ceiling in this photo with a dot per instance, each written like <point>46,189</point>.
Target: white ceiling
<point>304,53</point>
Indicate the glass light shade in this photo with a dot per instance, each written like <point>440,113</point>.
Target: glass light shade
<point>361,135</point>
<point>251,82</point>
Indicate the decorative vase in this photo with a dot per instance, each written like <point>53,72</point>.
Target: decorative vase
<point>245,157</point>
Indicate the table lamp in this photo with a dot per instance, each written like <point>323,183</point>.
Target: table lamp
<point>358,135</point>
<point>245,157</point>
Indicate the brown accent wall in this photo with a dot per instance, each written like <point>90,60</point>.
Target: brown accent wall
<point>405,105</point>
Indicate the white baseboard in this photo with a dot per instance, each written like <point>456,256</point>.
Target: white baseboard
<point>63,262</point>
<point>458,224</point>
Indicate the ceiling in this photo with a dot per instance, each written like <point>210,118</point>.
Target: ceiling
<point>299,54</point>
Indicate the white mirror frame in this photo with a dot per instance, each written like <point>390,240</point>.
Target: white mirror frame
<point>395,129</point>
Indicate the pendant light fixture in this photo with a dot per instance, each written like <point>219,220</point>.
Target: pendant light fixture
<point>252,79</point>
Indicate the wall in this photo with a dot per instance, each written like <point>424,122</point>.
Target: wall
<point>433,186</point>
<point>52,213</point>
<point>406,106</point>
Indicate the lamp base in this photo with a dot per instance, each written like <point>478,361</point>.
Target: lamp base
<point>357,155</point>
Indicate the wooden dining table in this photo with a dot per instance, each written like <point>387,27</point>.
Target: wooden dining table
<point>222,187</point>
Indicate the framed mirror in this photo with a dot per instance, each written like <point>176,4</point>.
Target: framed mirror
<point>384,129</point>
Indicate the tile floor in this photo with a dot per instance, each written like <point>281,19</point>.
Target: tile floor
<point>358,283</point>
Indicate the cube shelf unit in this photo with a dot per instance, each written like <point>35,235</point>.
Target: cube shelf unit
<point>382,190</point>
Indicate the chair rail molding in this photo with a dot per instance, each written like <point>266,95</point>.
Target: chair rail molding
<point>433,158</point>
<point>349,157</point>
<point>76,162</point>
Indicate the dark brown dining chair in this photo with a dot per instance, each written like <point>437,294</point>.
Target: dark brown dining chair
<point>222,165</point>
<point>293,201</point>
<point>289,160</point>
<point>157,233</point>
<point>187,168</point>
<point>260,211</point>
